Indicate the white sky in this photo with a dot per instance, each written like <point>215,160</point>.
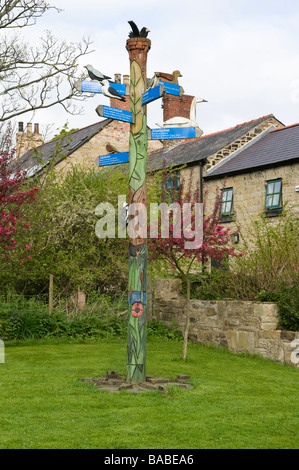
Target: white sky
<point>240,55</point>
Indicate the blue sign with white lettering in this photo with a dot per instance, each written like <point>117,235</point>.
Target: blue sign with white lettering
<point>172,88</point>
<point>93,86</point>
<point>114,113</point>
<point>114,158</point>
<point>153,94</point>
<point>173,133</point>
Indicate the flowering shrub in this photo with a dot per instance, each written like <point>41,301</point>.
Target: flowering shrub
<point>176,249</point>
<point>12,200</point>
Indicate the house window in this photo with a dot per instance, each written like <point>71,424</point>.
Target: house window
<point>173,182</point>
<point>170,185</point>
<point>227,201</point>
<point>273,194</point>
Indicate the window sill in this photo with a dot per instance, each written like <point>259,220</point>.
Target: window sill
<point>227,218</point>
<point>273,212</point>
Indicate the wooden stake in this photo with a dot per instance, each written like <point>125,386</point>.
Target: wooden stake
<point>51,294</point>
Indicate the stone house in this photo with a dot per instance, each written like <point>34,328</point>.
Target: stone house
<point>254,164</point>
<point>81,147</point>
<point>259,179</point>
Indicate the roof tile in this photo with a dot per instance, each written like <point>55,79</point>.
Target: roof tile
<point>195,150</point>
<point>278,147</point>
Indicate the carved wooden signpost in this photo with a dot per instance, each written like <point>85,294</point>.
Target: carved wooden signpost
<point>136,346</point>
<point>139,96</point>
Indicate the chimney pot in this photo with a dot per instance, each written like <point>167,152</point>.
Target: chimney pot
<point>29,127</point>
<point>126,79</point>
<point>36,128</point>
<point>117,77</point>
<point>21,127</point>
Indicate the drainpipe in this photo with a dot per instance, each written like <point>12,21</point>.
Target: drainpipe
<point>201,164</point>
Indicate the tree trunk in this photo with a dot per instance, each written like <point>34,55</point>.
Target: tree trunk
<point>187,323</point>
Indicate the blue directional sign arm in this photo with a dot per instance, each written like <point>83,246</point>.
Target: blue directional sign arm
<point>114,113</point>
<point>172,88</point>
<point>93,86</point>
<point>114,158</point>
<point>153,94</point>
<point>173,133</point>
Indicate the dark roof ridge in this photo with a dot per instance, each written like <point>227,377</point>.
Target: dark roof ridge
<point>77,130</point>
<point>285,127</point>
<point>268,150</point>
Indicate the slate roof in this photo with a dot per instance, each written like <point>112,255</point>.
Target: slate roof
<point>195,150</point>
<point>278,147</point>
<point>35,159</point>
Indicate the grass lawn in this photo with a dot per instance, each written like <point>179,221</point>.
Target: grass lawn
<point>238,401</point>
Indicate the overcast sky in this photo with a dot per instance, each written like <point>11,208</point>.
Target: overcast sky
<point>240,55</point>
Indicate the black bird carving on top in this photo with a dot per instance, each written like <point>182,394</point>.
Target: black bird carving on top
<point>135,33</point>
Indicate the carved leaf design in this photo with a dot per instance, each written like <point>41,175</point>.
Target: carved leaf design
<point>138,157</point>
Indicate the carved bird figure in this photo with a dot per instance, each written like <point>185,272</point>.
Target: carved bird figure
<point>135,33</point>
<point>110,92</point>
<point>171,77</point>
<point>110,148</point>
<point>154,80</point>
<point>95,74</point>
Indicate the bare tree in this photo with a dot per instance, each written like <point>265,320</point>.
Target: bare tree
<point>34,78</point>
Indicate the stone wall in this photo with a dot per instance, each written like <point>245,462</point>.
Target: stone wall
<point>239,326</point>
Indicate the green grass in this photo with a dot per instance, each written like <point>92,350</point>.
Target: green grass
<point>238,401</point>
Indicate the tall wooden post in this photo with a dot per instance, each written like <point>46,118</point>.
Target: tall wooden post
<point>136,348</point>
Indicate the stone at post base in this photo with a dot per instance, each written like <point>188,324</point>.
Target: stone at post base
<point>113,382</point>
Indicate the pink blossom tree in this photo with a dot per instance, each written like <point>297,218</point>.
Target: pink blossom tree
<point>179,249</point>
<point>13,198</point>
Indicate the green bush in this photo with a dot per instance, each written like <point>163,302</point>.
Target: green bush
<point>288,304</point>
<point>268,271</point>
<point>62,237</point>
<point>213,285</point>
<point>287,300</point>
<point>161,330</point>
<point>21,319</point>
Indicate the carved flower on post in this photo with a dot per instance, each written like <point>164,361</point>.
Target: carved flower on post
<point>137,310</point>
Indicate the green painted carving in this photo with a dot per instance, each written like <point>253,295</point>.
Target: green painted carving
<point>137,87</point>
<point>138,157</point>
<point>136,346</point>
<point>138,131</point>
